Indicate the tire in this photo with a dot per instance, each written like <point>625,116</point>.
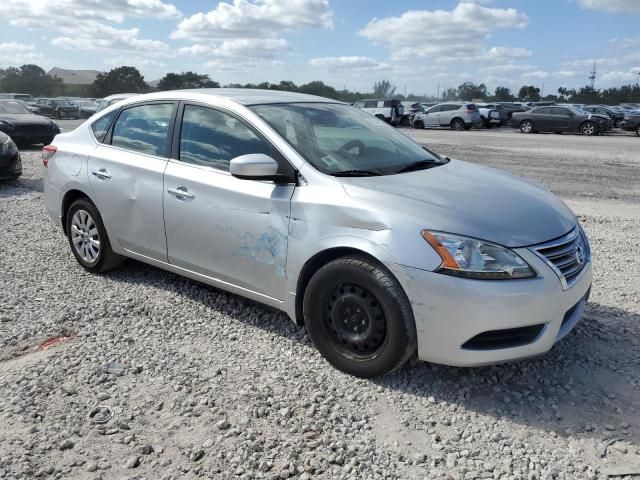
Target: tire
<point>380,308</point>
<point>617,124</point>
<point>457,124</point>
<point>638,130</point>
<point>589,129</point>
<point>418,124</point>
<point>526,126</point>
<point>83,218</point>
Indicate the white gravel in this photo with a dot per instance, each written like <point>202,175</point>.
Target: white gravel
<point>206,384</point>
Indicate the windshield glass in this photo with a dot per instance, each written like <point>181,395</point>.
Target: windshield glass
<point>12,107</point>
<point>338,139</point>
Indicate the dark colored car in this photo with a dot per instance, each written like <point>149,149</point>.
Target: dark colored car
<point>57,108</point>
<point>631,123</point>
<point>87,107</point>
<point>25,127</point>
<point>559,119</point>
<point>10,164</point>
<point>616,117</point>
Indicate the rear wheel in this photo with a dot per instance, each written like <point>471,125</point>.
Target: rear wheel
<point>638,130</point>
<point>88,238</point>
<point>359,318</point>
<point>457,124</point>
<point>526,126</point>
<point>589,128</point>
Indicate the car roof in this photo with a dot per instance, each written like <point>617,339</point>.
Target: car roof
<point>243,96</point>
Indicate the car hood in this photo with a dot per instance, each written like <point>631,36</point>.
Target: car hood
<point>471,200</point>
<point>25,118</point>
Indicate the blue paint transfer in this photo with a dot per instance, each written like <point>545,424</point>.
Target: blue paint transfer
<point>269,248</point>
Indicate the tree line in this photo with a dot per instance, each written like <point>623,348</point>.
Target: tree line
<point>33,79</point>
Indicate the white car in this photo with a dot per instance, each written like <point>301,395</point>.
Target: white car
<point>389,110</point>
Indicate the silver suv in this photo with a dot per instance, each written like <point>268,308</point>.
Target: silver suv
<point>455,115</point>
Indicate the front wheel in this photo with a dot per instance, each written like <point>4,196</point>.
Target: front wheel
<point>589,128</point>
<point>418,124</point>
<point>638,130</point>
<point>359,318</point>
<point>88,238</point>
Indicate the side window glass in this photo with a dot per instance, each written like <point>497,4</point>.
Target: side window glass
<point>101,125</point>
<point>143,128</point>
<point>212,138</point>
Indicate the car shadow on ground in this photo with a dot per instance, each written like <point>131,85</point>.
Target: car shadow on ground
<point>582,386</point>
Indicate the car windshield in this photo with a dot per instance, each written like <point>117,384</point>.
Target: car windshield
<point>12,107</point>
<point>342,140</point>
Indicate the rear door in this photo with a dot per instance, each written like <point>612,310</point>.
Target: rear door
<point>126,174</point>
<point>560,119</point>
<point>233,230</point>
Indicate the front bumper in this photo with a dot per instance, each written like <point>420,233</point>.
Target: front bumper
<point>629,126</point>
<point>451,311</point>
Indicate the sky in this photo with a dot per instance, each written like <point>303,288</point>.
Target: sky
<point>421,46</point>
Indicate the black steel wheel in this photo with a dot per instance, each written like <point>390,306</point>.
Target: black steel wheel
<point>359,318</point>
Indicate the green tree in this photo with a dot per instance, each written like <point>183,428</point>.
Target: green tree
<point>383,89</point>
<point>503,94</point>
<point>449,94</point>
<point>469,91</point>
<point>119,80</point>
<point>529,93</point>
<point>30,79</point>
<point>180,81</point>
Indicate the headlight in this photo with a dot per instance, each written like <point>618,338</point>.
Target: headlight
<point>470,258</point>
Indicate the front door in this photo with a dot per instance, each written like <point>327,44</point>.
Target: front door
<point>432,117</point>
<point>232,230</point>
<point>125,175</point>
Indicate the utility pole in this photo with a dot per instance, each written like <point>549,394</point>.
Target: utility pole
<point>592,76</point>
<point>542,92</point>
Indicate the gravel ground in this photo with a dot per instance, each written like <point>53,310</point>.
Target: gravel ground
<point>203,383</point>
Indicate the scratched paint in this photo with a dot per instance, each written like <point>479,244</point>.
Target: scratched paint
<point>269,248</point>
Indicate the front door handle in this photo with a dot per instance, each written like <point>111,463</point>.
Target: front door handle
<point>102,174</point>
<point>181,192</point>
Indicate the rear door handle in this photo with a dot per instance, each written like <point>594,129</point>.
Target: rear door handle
<point>181,192</point>
<point>102,174</point>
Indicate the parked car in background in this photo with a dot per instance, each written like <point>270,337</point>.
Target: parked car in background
<point>25,98</point>
<point>389,110</point>
<point>57,108</point>
<point>10,164</point>
<point>512,107</point>
<point>87,107</point>
<point>111,99</point>
<point>25,127</point>
<point>492,115</point>
<point>381,248</point>
<point>558,119</point>
<point>631,123</point>
<point>454,115</point>
<point>616,117</point>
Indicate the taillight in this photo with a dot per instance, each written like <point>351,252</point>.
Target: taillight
<point>47,153</point>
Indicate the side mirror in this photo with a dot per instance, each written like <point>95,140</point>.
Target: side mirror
<point>254,166</point>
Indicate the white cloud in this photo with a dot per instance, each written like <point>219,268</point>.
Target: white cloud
<point>618,76</point>
<point>353,64</point>
<point>441,33</point>
<point>611,5</point>
<point>46,14</point>
<point>567,74</point>
<point>239,48</point>
<point>535,74</point>
<point>16,54</point>
<point>255,19</point>
<point>502,53</point>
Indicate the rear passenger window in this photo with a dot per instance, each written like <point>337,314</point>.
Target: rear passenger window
<point>212,138</point>
<point>143,128</point>
<point>100,126</point>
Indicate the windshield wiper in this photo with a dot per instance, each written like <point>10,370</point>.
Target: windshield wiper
<point>420,165</point>
<point>356,173</point>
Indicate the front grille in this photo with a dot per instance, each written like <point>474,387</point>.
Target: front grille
<point>567,255</point>
<point>507,338</point>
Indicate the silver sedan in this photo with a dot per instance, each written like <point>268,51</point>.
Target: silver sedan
<point>382,248</point>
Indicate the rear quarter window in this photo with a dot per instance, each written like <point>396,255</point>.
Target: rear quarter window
<point>101,126</point>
